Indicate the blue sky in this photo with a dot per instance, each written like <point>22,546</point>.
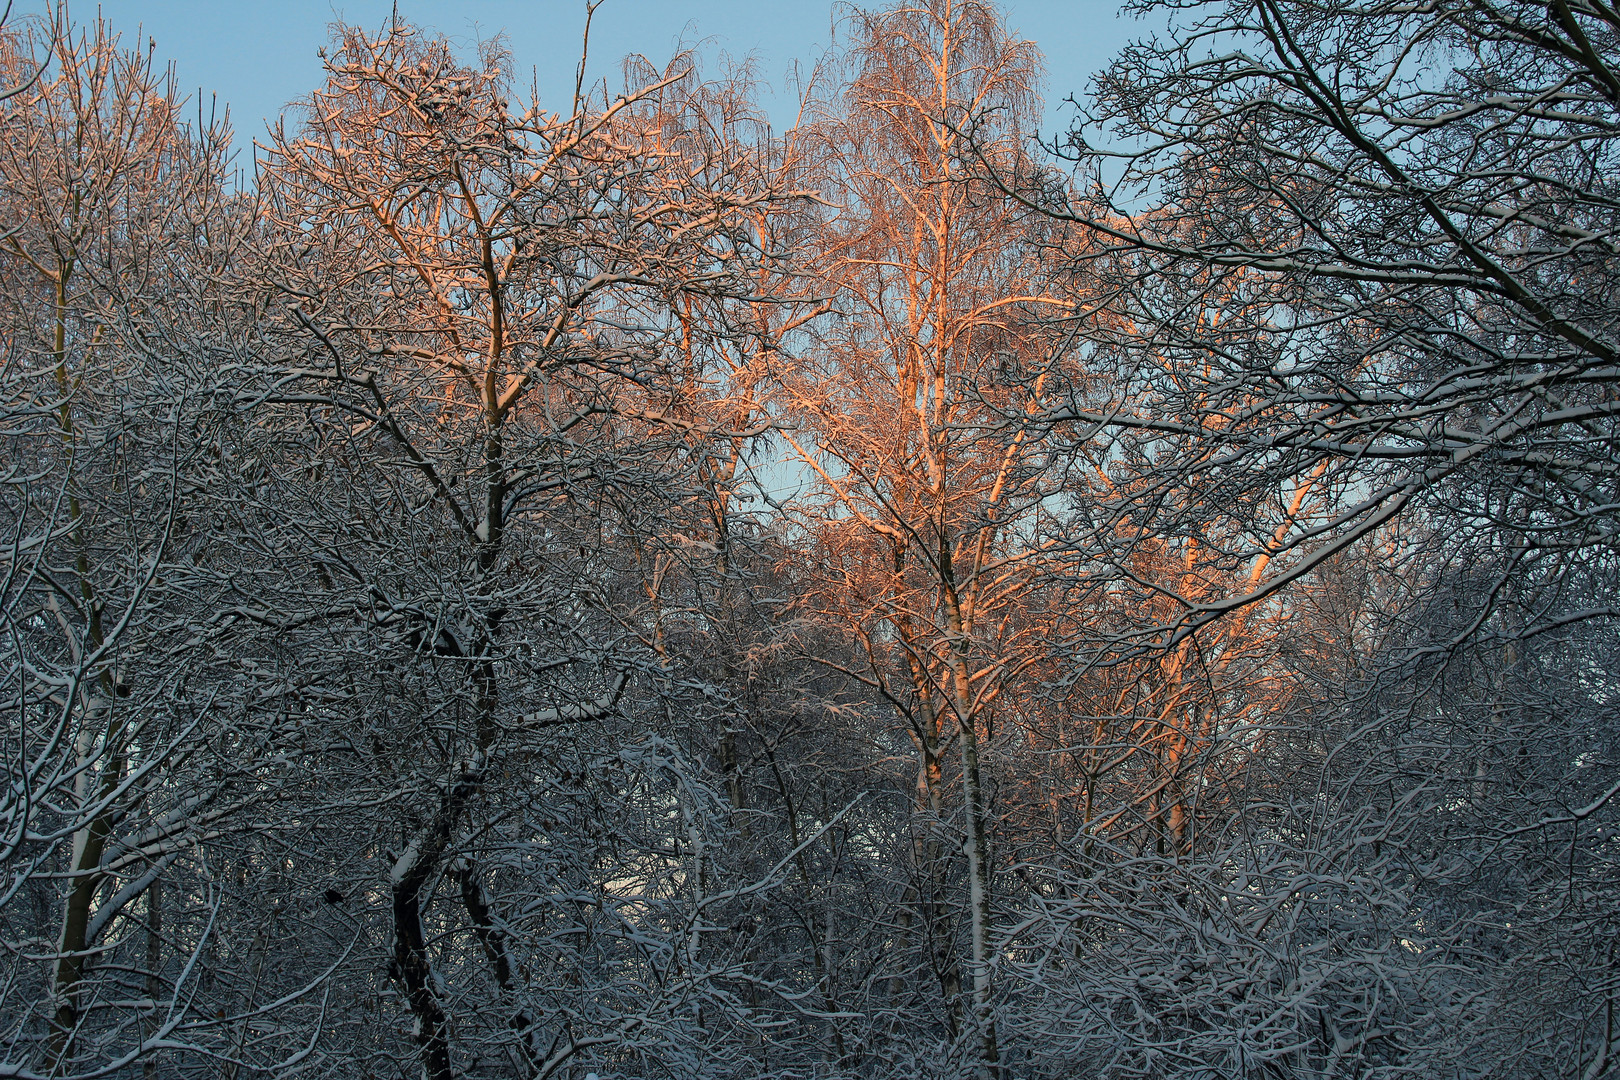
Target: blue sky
<point>258,55</point>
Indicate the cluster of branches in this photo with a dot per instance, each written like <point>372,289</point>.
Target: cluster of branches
<point>621,591</point>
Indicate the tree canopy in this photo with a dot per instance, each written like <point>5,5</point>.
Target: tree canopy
<point>608,589</point>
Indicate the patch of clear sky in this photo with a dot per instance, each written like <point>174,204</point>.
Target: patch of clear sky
<point>257,55</point>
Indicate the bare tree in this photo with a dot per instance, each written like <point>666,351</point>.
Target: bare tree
<point>107,200</point>
<point>1326,257</point>
<point>1368,245</point>
<point>469,392</point>
<point>910,404</point>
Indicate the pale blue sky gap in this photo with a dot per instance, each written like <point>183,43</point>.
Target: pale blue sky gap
<point>257,55</point>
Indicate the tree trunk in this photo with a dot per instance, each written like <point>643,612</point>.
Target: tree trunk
<point>976,848</point>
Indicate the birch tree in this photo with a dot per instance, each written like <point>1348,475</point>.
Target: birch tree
<point>926,489</point>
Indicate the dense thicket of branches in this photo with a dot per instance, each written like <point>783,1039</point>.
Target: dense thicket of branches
<point>1187,649</point>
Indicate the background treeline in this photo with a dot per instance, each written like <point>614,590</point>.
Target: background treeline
<point>1189,650</point>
